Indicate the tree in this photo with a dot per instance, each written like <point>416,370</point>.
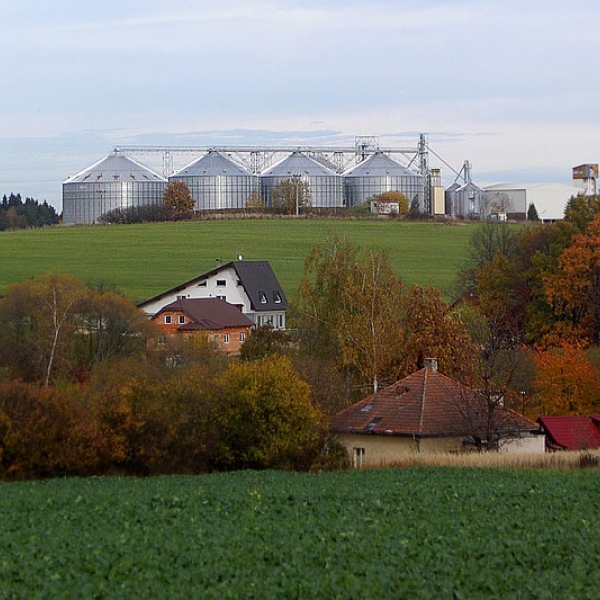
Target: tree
<point>573,291</point>
<point>580,210</point>
<point>291,195</point>
<point>566,381</point>
<point>178,201</point>
<point>393,197</point>
<point>532,213</point>
<point>430,330</point>
<point>53,325</point>
<point>349,308</point>
<point>264,417</point>
<point>255,200</point>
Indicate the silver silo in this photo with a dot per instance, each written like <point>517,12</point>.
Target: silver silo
<point>378,174</point>
<point>325,187</point>
<point>216,182</point>
<point>116,181</point>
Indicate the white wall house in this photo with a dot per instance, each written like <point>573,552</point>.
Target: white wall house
<point>250,285</point>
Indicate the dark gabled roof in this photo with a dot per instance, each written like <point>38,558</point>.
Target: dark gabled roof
<point>260,284</point>
<point>571,432</point>
<point>208,314</point>
<point>424,404</point>
<point>256,276</point>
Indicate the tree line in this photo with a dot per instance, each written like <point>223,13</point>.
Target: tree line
<point>16,213</point>
<point>85,391</point>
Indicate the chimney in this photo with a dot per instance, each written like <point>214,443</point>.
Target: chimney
<point>431,363</point>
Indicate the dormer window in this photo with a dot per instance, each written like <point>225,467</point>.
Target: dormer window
<point>263,298</point>
<point>277,297</point>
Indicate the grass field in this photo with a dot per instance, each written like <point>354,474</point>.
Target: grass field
<point>143,260</point>
<point>396,533</point>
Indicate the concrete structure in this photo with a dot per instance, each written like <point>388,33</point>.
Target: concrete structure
<point>217,183</point>
<point>250,285</point>
<point>111,183</point>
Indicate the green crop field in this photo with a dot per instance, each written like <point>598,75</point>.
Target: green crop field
<point>143,260</point>
<point>397,533</point>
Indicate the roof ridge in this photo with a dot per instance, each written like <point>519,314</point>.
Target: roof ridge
<point>423,395</point>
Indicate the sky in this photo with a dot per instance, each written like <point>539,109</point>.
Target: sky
<point>512,86</point>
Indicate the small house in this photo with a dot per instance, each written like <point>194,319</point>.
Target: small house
<point>428,412</point>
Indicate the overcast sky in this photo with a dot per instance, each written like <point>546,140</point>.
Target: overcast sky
<point>510,85</point>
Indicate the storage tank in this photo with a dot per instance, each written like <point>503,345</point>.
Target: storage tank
<point>325,187</point>
<point>116,181</point>
<point>216,182</point>
<point>378,174</point>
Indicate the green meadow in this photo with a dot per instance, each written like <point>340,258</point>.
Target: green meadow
<point>143,260</point>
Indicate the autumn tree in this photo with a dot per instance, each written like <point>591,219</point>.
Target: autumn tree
<point>431,330</point>
<point>52,325</point>
<point>393,197</point>
<point>573,291</point>
<point>566,381</point>
<point>291,195</point>
<point>349,307</point>
<point>255,200</point>
<point>264,417</point>
<point>178,201</point>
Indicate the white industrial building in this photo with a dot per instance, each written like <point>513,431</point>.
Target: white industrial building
<point>511,200</point>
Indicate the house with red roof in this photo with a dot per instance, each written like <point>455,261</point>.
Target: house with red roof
<point>429,412</point>
<point>224,324</point>
<point>571,432</point>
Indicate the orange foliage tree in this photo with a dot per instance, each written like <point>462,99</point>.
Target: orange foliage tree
<point>574,290</point>
<point>566,382</point>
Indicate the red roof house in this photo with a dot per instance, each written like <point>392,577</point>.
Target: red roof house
<point>571,432</point>
<point>223,323</point>
<point>426,412</point>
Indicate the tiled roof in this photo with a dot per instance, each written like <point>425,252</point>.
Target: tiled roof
<point>572,432</point>
<point>208,314</point>
<point>424,404</point>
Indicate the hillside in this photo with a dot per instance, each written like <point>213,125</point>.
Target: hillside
<point>142,260</point>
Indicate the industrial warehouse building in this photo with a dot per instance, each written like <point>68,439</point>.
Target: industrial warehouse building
<point>218,182</point>
<point>222,180</point>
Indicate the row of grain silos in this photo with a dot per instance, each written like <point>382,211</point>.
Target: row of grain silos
<point>218,183</point>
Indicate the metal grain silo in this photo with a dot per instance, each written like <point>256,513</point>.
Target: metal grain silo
<point>116,181</point>
<point>325,187</point>
<point>378,174</point>
<point>216,182</point>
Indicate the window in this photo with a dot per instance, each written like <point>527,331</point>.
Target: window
<point>242,337</point>
<point>277,297</point>
<point>263,298</point>
<point>202,283</point>
<point>162,340</point>
<point>168,319</point>
<point>226,338</point>
<point>221,298</point>
<point>358,457</point>
<point>221,283</point>
<point>181,319</point>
